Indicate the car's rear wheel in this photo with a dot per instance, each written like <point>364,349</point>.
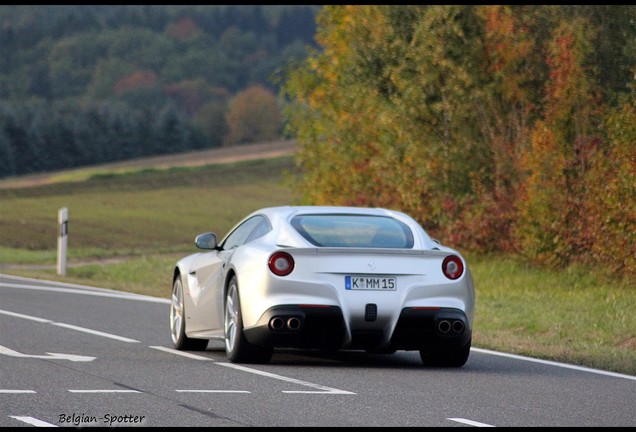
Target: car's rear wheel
<point>450,357</point>
<point>237,347</point>
<point>177,321</point>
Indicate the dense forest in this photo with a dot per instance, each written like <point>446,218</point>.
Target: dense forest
<point>81,85</point>
<point>500,128</point>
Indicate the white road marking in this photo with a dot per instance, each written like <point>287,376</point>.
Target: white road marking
<point>69,326</point>
<point>102,292</point>
<point>552,363</point>
<point>50,356</point>
<point>33,421</point>
<point>181,353</point>
<point>95,332</point>
<point>32,318</point>
<point>212,391</point>
<point>324,389</point>
<point>104,391</point>
<point>16,391</point>
<point>470,422</point>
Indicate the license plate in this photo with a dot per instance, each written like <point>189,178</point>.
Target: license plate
<point>376,283</point>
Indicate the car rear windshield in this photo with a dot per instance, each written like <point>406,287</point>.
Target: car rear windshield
<point>345,230</point>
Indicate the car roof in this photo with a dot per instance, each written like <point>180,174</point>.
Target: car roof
<point>294,210</point>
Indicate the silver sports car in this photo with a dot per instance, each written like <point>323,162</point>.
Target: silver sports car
<point>329,278</point>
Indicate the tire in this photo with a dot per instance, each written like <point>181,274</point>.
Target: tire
<point>178,322</point>
<point>237,348</point>
<point>453,357</point>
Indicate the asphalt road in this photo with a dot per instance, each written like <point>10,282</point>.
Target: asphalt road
<point>81,356</point>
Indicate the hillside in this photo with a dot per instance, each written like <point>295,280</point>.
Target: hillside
<point>194,158</point>
<point>85,85</point>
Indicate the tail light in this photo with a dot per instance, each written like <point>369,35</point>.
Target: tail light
<point>453,267</point>
<point>281,263</point>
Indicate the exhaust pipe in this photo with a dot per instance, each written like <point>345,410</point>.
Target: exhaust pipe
<point>458,326</point>
<point>279,323</point>
<point>444,326</point>
<point>293,323</point>
<point>276,323</point>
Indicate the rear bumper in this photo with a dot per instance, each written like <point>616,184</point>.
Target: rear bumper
<point>323,327</point>
<point>431,328</point>
<point>299,326</point>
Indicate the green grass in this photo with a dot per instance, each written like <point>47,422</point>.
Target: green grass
<point>126,230</point>
<point>572,316</point>
<point>147,211</point>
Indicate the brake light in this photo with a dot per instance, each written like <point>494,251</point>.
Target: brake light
<point>281,263</point>
<point>453,267</point>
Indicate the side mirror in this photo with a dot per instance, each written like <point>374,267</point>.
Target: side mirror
<point>206,241</point>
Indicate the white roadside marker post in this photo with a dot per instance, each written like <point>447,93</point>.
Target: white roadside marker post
<point>62,240</point>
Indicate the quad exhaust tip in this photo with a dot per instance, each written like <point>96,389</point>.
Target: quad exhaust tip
<point>276,323</point>
<point>279,323</point>
<point>447,326</point>
<point>293,323</point>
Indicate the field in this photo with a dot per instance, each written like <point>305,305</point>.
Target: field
<point>129,224</point>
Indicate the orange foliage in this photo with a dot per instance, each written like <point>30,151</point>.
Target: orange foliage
<point>253,115</point>
<point>138,79</point>
<point>554,225</point>
<point>541,202</point>
<point>611,199</point>
<point>183,29</point>
<point>191,94</point>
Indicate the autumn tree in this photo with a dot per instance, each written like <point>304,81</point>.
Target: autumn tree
<point>610,203</point>
<point>380,111</point>
<point>504,104</point>
<point>552,225</point>
<point>253,115</point>
<point>340,110</point>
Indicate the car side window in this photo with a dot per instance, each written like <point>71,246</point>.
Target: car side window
<point>249,230</point>
<point>259,231</point>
